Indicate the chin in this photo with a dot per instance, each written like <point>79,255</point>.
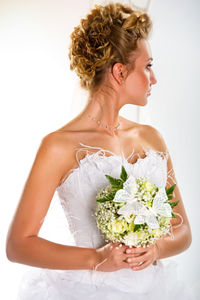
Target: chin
<point>143,102</point>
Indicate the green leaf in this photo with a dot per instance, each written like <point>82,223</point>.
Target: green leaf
<point>108,197</point>
<point>173,204</point>
<point>123,174</point>
<point>137,226</point>
<point>116,183</point>
<point>103,199</point>
<point>112,195</point>
<point>173,215</point>
<point>170,197</point>
<point>170,190</point>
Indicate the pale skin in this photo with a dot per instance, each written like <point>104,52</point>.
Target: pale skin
<point>56,156</point>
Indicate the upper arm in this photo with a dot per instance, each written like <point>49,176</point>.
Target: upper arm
<point>159,144</point>
<point>49,165</point>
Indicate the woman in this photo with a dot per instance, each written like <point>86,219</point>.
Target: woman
<point>112,56</point>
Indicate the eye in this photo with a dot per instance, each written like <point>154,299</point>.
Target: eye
<point>149,65</point>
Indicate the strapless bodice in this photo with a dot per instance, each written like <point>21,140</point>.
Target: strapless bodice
<point>78,191</point>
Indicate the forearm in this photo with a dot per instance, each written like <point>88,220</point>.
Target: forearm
<point>169,247</point>
<point>38,252</point>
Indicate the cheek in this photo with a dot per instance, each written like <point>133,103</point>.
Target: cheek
<point>144,79</point>
<point>138,83</point>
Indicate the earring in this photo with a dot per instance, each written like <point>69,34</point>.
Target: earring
<point>122,81</point>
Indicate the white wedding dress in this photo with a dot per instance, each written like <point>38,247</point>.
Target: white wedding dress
<point>77,196</point>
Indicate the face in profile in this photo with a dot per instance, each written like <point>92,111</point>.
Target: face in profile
<point>139,81</point>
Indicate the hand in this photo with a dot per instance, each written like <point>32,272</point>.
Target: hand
<point>111,257</point>
<point>142,257</point>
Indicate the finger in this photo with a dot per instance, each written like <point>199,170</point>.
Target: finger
<point>116,243</point>
<point>117,248</point>
<point>138,259</point>
<point>142,266</point>
<point>135,254</point>
<point>124,247</point>
<point>136,250</point>
<point>125,257</point>
<point>125,265</point>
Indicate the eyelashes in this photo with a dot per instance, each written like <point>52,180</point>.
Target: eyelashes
<point>149,65</point>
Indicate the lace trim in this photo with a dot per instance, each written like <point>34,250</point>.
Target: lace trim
<point>102,152</point>
<point>86,147</point>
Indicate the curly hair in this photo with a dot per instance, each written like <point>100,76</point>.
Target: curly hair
<point>107,35</point>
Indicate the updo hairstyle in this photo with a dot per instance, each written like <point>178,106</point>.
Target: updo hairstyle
<point>107,35</point>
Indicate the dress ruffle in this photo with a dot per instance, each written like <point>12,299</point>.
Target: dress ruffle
<point>153,283</point>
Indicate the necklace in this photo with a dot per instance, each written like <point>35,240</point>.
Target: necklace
<point>102,124</point>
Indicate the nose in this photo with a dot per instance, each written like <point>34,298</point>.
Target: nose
<point>153,78</point>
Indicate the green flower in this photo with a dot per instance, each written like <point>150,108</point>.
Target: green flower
<point>118,226</point>
<point>131,226</point>
<point>141,235</point>
<point>148,186</point>
<point>164,221</point>
<point>149,204</point>
<point>156,233</point>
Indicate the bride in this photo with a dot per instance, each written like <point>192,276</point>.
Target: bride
<point>111,54</point>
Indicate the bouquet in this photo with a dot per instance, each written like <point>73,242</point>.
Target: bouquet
<point>134,211</point>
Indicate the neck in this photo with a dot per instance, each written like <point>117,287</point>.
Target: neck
<point>102,114</point>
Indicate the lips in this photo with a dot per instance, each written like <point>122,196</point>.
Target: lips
<point>149,92</point>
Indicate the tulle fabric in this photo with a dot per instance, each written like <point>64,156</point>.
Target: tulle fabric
<point>77,197</point>
<point>153,283</point>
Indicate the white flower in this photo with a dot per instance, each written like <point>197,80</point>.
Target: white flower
<point>158,207</point>
<point>129,218</point>
<point>135,238</point>
<point>128,193</point>
<point>131,239</point>
<point>156,233</point>
<point>143,214</point>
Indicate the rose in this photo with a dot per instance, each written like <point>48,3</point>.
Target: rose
<point>134,238</point>
<point>148,186</point>
<point>156,233</point>
<point>164,221</point>
<point>118,226</point>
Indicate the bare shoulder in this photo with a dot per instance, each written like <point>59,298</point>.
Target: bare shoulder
<point>55,143</point>
<point>157,143</point>
<point>147,135</point>
<point>58,147</point>
<point>154,138</point>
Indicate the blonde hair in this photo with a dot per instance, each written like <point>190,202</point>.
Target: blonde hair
<point>107,35</point>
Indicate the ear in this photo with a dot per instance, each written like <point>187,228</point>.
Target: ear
<point>118,72</point>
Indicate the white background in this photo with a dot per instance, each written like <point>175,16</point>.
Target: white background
<point>37,91</point>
